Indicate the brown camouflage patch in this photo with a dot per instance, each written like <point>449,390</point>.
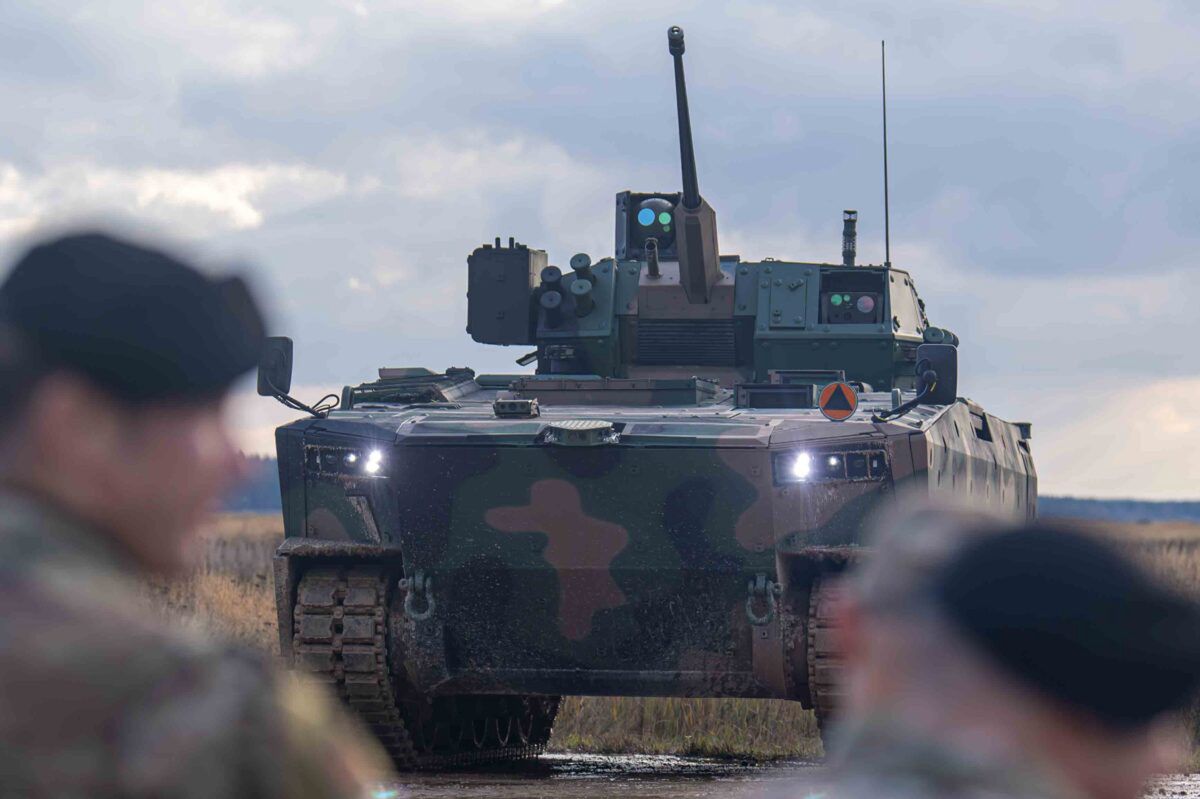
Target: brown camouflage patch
<point>581,549</point>
<point>755,526</point>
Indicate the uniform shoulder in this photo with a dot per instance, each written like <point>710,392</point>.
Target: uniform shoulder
<point>238,727</point>
<point>75,620</point>
<point>182,714</point>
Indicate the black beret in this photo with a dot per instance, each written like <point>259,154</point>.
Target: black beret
<point>1069,615</point>
<point>139,323</point>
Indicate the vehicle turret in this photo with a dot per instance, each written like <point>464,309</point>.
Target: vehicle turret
<point>667,304</point>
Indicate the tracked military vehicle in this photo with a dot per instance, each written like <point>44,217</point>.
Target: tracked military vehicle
<point>655,511</point>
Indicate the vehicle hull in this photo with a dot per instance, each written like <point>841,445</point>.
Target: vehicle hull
<point>651,566</point>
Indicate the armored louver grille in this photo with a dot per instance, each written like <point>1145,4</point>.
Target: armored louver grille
<point>700,342</point>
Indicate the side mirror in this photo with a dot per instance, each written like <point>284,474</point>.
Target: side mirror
<point>941,359</point>
<point>275,367</point>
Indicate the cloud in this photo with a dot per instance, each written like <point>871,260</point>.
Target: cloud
<point>1118,439</point>
<point>1044,165</point>
<point>190,202</point>
<point>1138,325</point>
<point>443,197</point>
<point>212,36</point>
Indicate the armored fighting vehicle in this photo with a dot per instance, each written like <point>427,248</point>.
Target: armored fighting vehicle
<point>656,511</point>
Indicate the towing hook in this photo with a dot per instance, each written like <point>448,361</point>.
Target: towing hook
<point>418,586</point>
<point>762,588</point>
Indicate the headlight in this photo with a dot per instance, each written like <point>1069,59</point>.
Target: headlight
<point>801,467</point>
<point>816,467</point>
<point>833,467</point>
<point>344,461</point>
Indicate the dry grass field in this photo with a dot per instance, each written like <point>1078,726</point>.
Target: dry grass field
<point>759,729</point>
<point>1169,549</point>
<point>246,525</point>
<point>234,608</point>
<point>232,595</point>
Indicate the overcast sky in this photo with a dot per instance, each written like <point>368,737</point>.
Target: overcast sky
<point>1045,173</point>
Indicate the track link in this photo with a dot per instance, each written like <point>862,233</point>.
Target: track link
<point>825,669</point>
<point>340,637</point>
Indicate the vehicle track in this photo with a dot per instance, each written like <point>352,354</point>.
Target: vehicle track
<point>824,664</point>
<point>340,637</point>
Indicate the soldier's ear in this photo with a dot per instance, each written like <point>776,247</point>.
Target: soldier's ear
<point>71,420</point>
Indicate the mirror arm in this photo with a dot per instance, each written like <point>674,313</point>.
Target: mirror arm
<point>900,410</point>
<point>295,404</point>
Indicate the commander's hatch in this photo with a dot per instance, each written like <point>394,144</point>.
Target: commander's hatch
<point>592,390</point>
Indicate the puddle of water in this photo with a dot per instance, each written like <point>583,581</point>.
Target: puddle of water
<point>1175,785</point>
<point>561,776</point>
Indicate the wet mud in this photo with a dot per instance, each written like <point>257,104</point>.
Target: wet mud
<point>558,776</point>
<point>1176,785</point>
<point>565,776</point>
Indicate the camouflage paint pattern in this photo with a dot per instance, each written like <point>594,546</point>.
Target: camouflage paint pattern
<point>622,568</point>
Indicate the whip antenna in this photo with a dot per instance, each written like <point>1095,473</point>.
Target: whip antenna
<point>887,216</point>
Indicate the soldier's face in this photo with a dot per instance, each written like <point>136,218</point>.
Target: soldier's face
<point>145,475</point>
<point>174,465</point>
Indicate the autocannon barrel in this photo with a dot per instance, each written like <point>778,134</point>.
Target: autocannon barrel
<point>694,219</point>
<point>687,153</point>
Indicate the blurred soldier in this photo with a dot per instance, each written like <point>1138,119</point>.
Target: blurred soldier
<point>114,361</point>
<point>1000,661</point>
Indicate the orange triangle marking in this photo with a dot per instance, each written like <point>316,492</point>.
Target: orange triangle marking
<point>838,401</point>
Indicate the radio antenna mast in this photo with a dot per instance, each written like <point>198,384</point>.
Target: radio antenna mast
<point>887,216</point>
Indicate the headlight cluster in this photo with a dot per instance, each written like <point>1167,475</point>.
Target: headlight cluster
<point>814,467</point>
<point>343,460</point>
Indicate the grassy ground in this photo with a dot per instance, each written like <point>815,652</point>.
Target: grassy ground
<point>232,595</point>
<point>759,729</point>
<point>231,592</point>
<point>235,608</point>
<point>1171,550</point>
<point>246,525</point>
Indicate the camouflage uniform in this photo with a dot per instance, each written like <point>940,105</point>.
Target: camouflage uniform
<point>881,759</point>
<point>98,698</point>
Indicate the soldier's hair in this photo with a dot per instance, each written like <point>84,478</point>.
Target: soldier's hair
<point>134,320</point>
<point>20,370</point>
<point>1048,602</point>
<point>1069,614</point>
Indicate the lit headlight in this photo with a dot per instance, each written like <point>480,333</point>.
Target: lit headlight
<point>801,466</point>
<point>343,461</point>
<point>834,467</point>
<point>814,467</point>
